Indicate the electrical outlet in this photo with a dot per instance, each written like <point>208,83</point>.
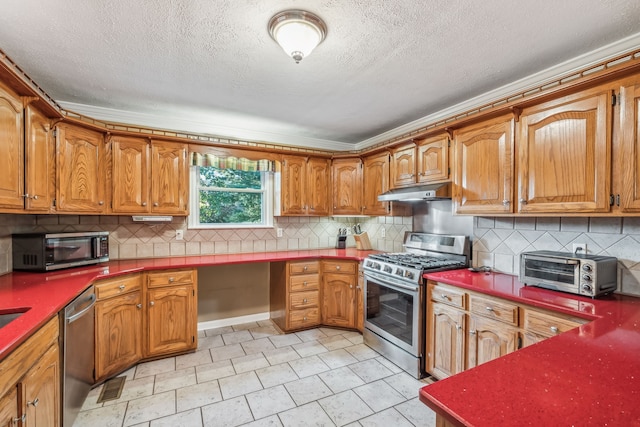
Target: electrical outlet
<point>580,248</point>
<point>179,234</point>
<point>383,233</point>
<point>278,232</point>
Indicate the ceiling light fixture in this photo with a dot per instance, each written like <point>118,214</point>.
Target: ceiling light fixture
<point>297,32</point>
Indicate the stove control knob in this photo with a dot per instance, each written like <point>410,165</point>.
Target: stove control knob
<point>368,263</point>
<point>376,266</point>
<point>388,269</point>
<point>409,274</point>
<point>399,272</point>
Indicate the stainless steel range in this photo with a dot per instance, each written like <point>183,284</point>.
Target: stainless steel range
<point>395,300</point>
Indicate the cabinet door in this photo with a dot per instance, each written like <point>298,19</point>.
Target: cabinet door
<point>375,178</point>
<point>338,308</point>
<point>9,408</point>
<point>445,341</point>
<point>118,333</point>
<point>403,166</point>
<point>433,159</point>
<point>484,167</point>
<point>318,186</point>
<point>39,161</point>
<point>171,319</point>
<point>80,170</point>
<point>11,150</point>
<point>488,340</point>
<point>347,186</point>
<point>294,178</point>
<point>40,390</point>
<point>170,181</point>
<point>130,175</point>
<point>564,162</point>
<point>629,142</point>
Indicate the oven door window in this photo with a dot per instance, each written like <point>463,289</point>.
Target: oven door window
<point>393,314</point>
<point>553,272</point>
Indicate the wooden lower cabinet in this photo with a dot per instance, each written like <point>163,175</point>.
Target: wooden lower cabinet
<point>488,339</point>
<point>295,294</point>
<point>30,381</point>
<point>339,282</point>
<point>445,345</point>
<point>466,329</point>
<point>118,325</point>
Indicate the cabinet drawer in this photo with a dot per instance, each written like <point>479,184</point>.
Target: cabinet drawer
<point>345,267</point>
<point>304,318</point>
<point>307,282</point>
<point>493,308</point>
<point>300,300</point>
<point>548,324</point>
<point>117,286</point>
<point>304,267</point>
<point>447,295</point>
<point>172,277</point>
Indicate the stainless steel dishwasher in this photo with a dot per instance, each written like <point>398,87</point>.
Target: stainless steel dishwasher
<point>78,354</point>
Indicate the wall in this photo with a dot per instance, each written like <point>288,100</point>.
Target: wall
<point>498,242</point>
<point>134,240</point>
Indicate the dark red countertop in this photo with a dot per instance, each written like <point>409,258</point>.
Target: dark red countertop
<point>588,376</point>
<point>45,294</point>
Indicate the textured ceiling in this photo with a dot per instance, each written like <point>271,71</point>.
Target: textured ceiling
<point>210,65</point>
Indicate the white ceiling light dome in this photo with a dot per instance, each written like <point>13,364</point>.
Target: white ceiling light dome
<point>298,32</point>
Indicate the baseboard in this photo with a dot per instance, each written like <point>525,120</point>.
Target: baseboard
<point>211,324</point>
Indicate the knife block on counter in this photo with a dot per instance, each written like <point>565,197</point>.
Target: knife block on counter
<point>362,242</point>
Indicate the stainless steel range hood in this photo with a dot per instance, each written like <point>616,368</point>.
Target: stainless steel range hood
<point>413,194</point>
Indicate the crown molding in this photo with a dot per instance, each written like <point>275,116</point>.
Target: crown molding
<point>573,65</point>
<point>180,124</point>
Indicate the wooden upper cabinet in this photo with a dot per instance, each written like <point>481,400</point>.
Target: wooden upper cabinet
<point>305,186</point>
<point>318,188</point>
<point>403,166</point>
<point>80,161</point>
<point>629,147</point>
<point>484,167</point>
<point>170,180</point>
<point>131,177</point>
<point>433,159</point>
<point>294,178</point>
<point>11,150</point>
<point>564,154</point>
<point>375,178</point>
<point>40,177</point>
<point>347,186</point>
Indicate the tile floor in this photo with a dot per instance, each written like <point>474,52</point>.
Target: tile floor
<point>250,374</point>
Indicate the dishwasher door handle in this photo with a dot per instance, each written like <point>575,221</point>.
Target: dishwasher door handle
<point>91,300</point>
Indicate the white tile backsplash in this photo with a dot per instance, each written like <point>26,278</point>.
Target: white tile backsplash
<point>498,246</point>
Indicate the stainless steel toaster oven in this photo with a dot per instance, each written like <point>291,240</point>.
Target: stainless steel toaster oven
<point>588,275</point>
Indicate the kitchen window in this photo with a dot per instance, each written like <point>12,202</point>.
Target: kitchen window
<point>230,193</point>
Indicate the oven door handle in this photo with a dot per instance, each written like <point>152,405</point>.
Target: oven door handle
<point>569,261</point>
<point>392,284</point>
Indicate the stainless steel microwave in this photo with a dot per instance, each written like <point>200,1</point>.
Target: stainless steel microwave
<point>588,275</point>
<point>53,251</point>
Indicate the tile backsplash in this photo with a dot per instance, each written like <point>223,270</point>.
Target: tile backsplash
<point>137,240</point>
<point>499,241</point>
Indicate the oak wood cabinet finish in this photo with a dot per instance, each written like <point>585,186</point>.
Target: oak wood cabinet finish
<point>446,340</point>
<point>170,180</point>
<point>564,154</point>
<point>118,326</point>
<point>488,339</point>
<point>375,179</point>
<point>627,193</point>
<point>80,170</point>
<point>171,312</point>
<point>40,179</point>
<point>403,165</point>
<point>482,181</point>
<point>305,186</point>
<point>433,159</point>
<point>30,372</point>
<point>347,186</point>
<point>339,283</point>
<point>131,175</point>
<point>11,150</point>
<point>295,294</point>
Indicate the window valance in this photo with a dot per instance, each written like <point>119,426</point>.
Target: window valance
<point>232,162</point>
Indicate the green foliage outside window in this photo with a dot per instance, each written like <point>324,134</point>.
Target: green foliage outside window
<point>230,196</point>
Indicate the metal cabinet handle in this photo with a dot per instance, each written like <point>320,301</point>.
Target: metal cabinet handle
<point>337,267</point>
<point>22,419</point>
<point>305,268</point>
<point>489,308</point>
<point>304,318</point>
<point>35,197</point>
<point>304,283</point>
<point>472,332</point>
<point>444,296</point>
<point>304,301</point>
<point>506,202</point>
<point>523,201</point>
<point>554,329</point>
<point>144,203</point>
<point>152,303</point>
<point>34,402</point>
<point>101,202</point>
<point>155,204</point>
<point>458,327</point>
<point>121,287</point>
<point>138,305</point>
<point>350,286</point>
<point>171,279</point>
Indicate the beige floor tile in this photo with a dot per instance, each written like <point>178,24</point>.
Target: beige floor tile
<point>370,370</point>
<point>226,352</point>
<point>310,415</point>
<point>109,416</point>
<point>281,355</point>
<point>174,380</point>
<point>240,384</point>
<point>197,395</point>
<point>388,417</point>
<point>345,408</point>
<point>284,340</point>
<point>218,331</point>
<point>257,345</point>
<point>236,337</point>
<point>263,332</point>
<point>379,395</point>
<point>362,352</point>
<point>245,326</point>
<point>276,375</point>
<point>156,367</point>
<point>341,379</point>
<point>248,363</point>
<point>311,335</point>
<point>191,418</point>
<point>417,413</point>
<point>202,357</point>
<point>150,408</point>
<point>337,358</point>
<point>270,401</point>
<point>307,390</point>
<point>228,413</point>
<point>309,348</point>
<point>335,342</point>
<point>405,384</point>
<point>214,371</point>
<point>272,421</point>
<point>308,366</point>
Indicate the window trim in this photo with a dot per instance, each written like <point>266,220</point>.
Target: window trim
<point>193,220</point>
